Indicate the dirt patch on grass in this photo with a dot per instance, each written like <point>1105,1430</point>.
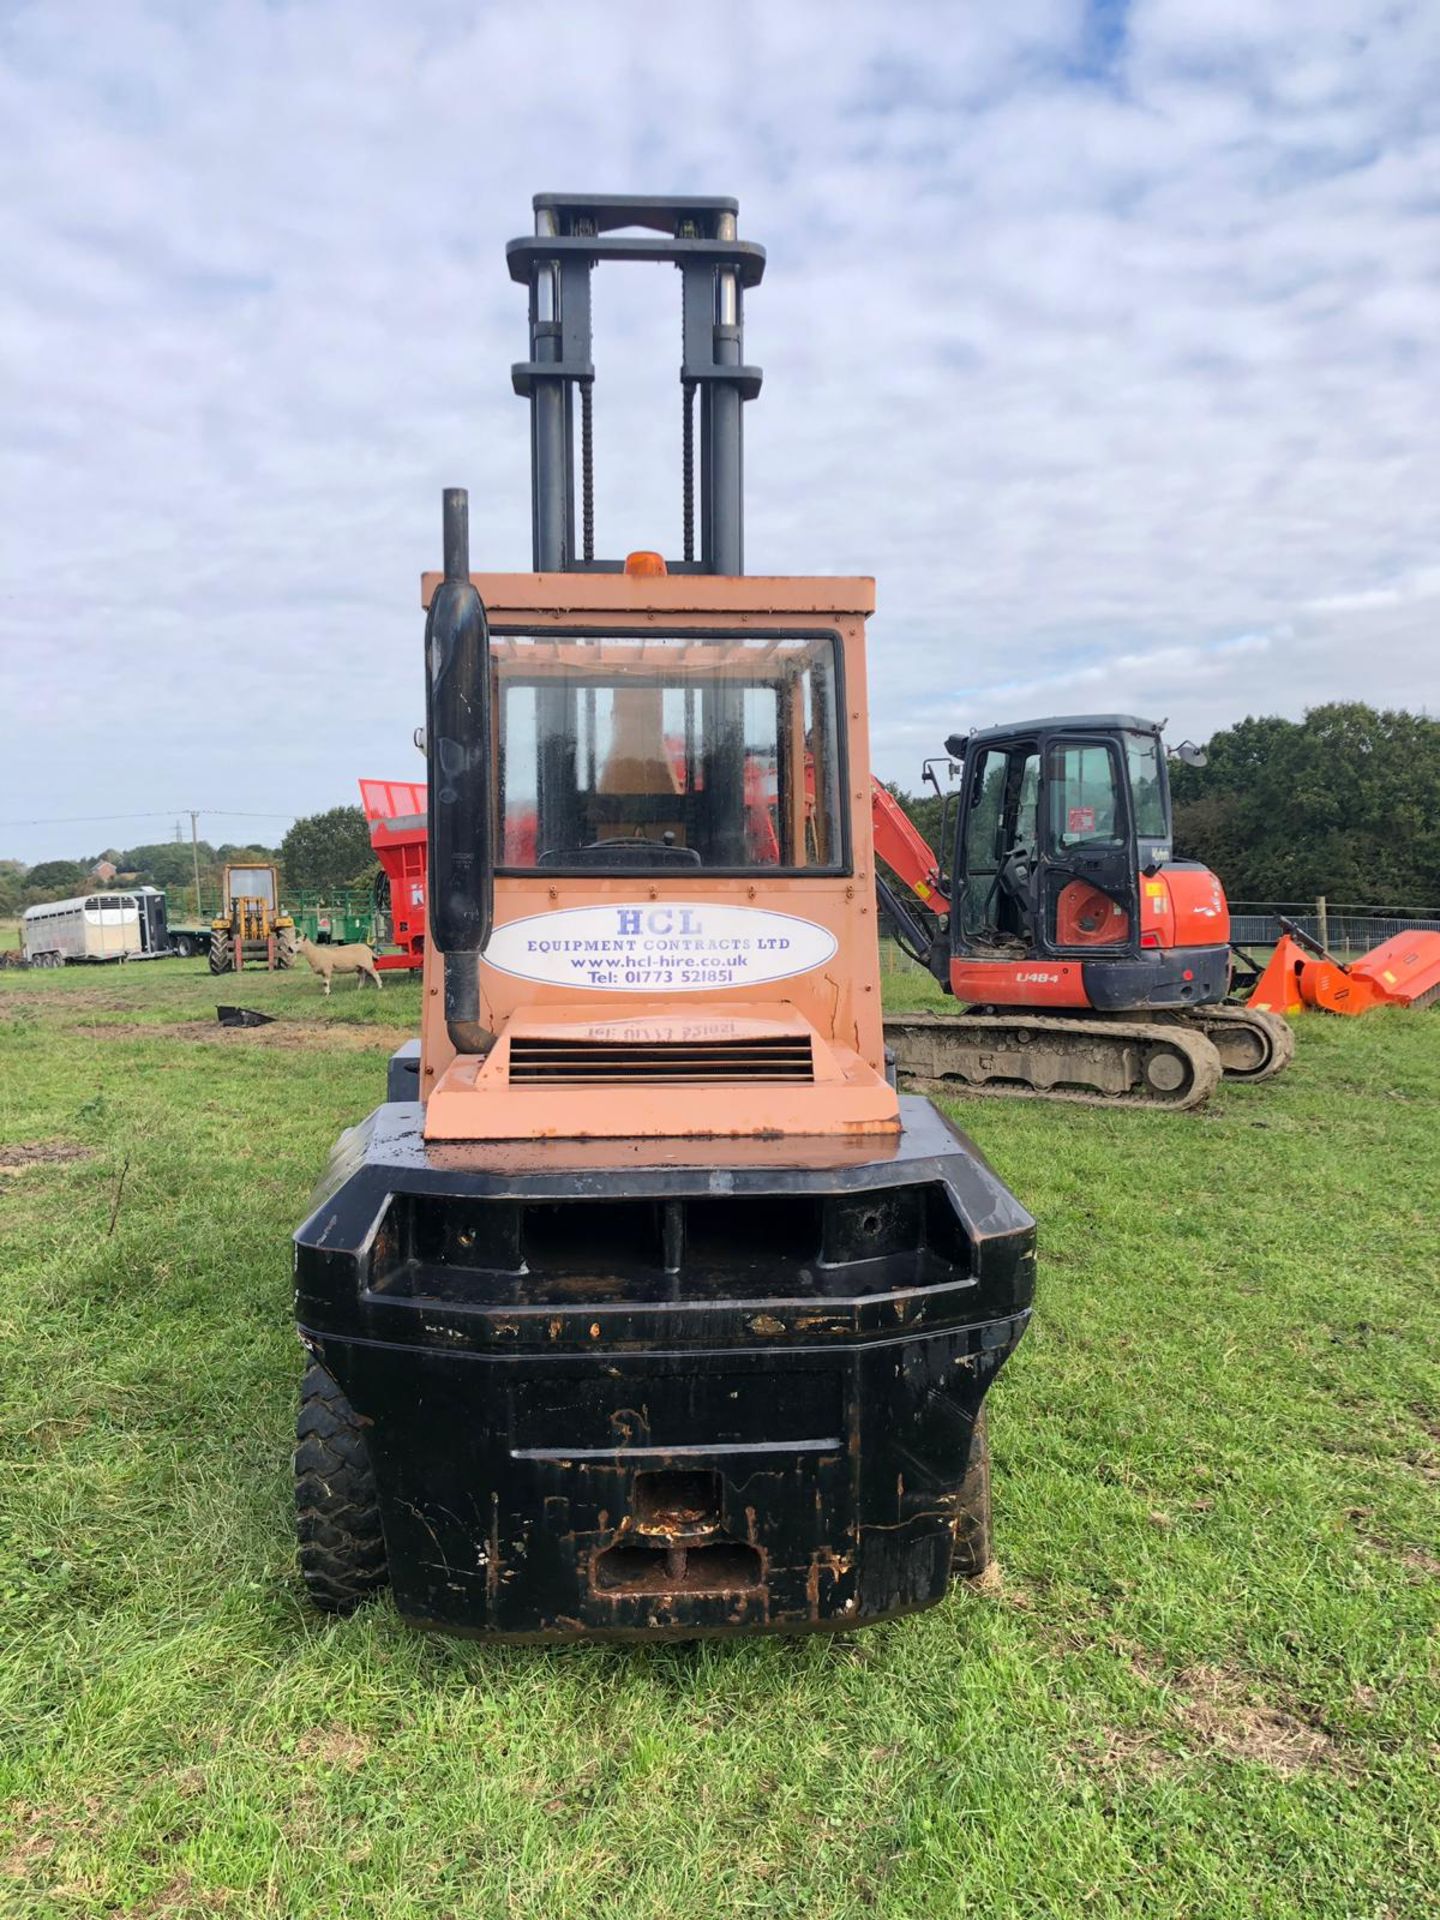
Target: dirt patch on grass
<point>42,1831</point>
<point>1131,1753</point>
<point>22,1155</point>
<point>95,999</point>
<point>1212,1709</point>
<point>288,1035</point>
<point>1425,1460</point>
<point>38,1832</point>
<point>30,1851</point>
<point>181,1896</point>
<point>335,1746</point>
<point>1215,1707</point>
<point>1415,1559</point>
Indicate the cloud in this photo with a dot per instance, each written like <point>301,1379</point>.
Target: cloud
<point>1421,585</point>
<point>1101,336</point>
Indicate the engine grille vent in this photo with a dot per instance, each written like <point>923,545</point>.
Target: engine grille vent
<point>547,1061</point>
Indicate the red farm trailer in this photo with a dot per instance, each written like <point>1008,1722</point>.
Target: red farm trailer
<point>395,810</point>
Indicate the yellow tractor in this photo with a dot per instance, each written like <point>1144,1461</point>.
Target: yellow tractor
<point>252,928</point>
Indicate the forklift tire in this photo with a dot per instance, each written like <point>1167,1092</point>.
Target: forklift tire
<point>222,959</point>
<point>974,1543</point>
<point>337,1510</point>
<point>285,949</point>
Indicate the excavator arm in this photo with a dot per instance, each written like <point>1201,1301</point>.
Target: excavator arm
<point>905,850</point>
<point>907,853</point>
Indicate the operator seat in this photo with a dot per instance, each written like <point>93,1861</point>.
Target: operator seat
<point>1016,903</point>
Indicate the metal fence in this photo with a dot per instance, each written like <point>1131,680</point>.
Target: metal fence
<point>894,959</point>
<point>1345,929</point>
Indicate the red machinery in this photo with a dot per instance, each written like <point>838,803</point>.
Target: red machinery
<point>1090,963</point>
<point>395,810</point>
<point>1403,971</point>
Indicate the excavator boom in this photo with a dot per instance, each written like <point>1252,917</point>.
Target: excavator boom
<point>905,850</point>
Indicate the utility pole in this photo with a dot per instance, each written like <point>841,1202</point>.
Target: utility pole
<point>195,850</point>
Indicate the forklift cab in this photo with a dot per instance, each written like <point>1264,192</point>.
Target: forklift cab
<point>250,897</point>
<point>1057,821</point>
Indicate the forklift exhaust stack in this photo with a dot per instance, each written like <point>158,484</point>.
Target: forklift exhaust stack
<point>457,730</point>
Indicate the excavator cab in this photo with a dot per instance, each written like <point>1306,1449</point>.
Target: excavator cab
<point>1065,889</point>
<point>1058,823</point>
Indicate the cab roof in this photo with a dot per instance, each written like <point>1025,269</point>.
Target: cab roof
<point>960,744</point>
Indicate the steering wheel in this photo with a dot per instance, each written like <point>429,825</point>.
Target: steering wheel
<point>623,851</point>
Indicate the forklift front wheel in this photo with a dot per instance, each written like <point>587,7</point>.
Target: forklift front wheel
<point>337,1510</point>
<point>973,1540</point>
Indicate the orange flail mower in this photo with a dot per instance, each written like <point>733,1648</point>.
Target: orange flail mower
<point>1403,971</point>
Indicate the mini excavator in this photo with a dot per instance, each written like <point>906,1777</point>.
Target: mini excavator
<point>1093,966</point>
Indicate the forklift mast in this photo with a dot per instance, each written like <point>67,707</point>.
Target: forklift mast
<point>574,233</point>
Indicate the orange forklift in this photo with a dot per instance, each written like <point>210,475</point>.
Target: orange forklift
<point>645,1306</point>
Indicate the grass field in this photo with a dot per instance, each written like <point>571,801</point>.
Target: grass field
<point>1204,1682</point>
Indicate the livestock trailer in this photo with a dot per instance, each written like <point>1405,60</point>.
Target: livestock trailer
<point>96,927</point>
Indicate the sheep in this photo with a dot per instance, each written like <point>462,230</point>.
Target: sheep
<point>328,961</point>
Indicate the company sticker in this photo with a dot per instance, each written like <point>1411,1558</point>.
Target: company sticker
<point>680,946</point>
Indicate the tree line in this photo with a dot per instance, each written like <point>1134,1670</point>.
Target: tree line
<point>322,852</point>
<point>1345,802</point>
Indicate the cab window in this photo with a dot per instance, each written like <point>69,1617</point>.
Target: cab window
<point>1142,758</point>
<point>1084,796</point>
<point>653,751</point>
<point>1001,833</point>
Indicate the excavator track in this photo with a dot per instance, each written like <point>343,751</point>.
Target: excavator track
<point>1252,1045</point>
<point>1092,1062</point>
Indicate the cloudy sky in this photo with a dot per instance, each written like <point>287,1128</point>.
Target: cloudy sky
<point>1104,335</point>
